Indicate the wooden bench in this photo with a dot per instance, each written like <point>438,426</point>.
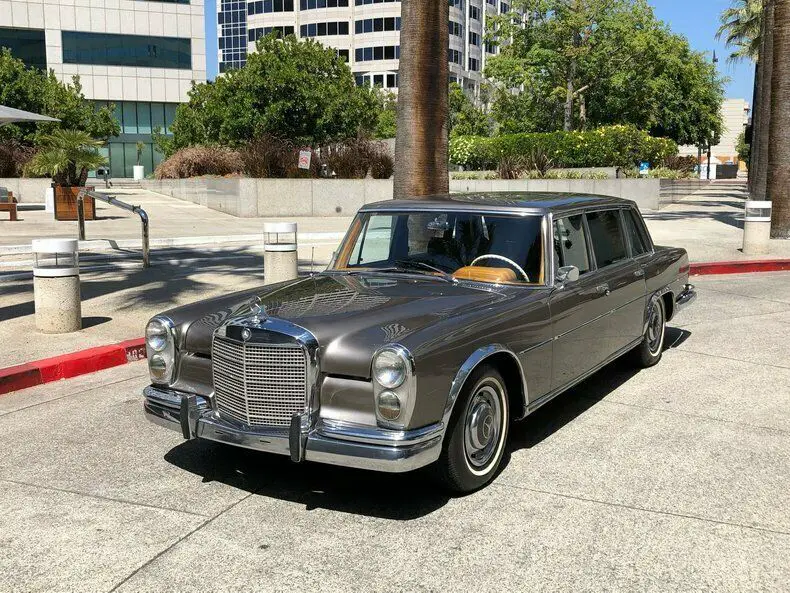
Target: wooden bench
<point>8,204</point>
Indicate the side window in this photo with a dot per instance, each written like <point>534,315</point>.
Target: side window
<point>635,233</point>
<point>570,244</point>
<point>606,234</point>
<point>373,243</point>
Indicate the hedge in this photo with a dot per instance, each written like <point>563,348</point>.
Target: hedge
<point>614,146</point>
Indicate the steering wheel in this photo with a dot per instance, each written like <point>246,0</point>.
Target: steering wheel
<point>504,259</point>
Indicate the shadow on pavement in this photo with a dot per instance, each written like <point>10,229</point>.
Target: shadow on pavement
<point>159,285</point>
<point>400,497</point>
<point>568,406</point>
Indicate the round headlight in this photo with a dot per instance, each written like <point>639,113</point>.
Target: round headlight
<point>158,366</point>
<point>388,405</point>
<point>156,335</point>
<point>390,368</point>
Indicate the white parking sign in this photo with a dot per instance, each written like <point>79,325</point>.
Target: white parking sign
<point>304,159</point>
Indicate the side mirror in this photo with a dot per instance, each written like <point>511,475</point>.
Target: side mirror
<point>567,274</point>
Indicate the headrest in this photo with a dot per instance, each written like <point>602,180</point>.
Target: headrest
<point>483,274</point>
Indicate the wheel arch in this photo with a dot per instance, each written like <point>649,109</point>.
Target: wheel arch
<point>507,363</point>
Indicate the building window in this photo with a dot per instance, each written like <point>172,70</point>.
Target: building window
<point>455,57</point>
<point>267,6</point>
<point>474,64</point>
<point>254,34</point>
<point>362,2</point>
<point>392,81</point>
<point>322,29</point>
<point>457,3</point>
<point>380,52</point>
<point>490,47</point>
<point>374,25</point>
<point>503,8</point>
<point>25,44</point>
<point>474,38</point>
<point>232,18</point>
<point>310,4</point>
<point>456,29</point>
<point>474,12</point>
<point>343,53</point>
<point>107,49</point>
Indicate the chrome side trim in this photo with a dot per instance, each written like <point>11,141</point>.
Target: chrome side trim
<point>469,365</point>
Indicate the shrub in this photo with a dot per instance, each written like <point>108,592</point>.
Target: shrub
<point>684,164</point>
<point>614,146</point>
<point>195,161</point>
<point>381,164</point>
<point>348,160</point>
<point>13,158</point>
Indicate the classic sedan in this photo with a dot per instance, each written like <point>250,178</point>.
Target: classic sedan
<point>438,323</point>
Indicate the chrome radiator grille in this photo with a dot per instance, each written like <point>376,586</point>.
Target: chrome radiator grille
<point>259,384</point>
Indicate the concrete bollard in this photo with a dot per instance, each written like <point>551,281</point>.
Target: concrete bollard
<point>56,285</point>
<point>280,261</point>
<point>756,227</point>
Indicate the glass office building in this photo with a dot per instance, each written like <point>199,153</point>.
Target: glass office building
<point>139,55</point>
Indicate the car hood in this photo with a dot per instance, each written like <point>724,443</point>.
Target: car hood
<point>350,316</point>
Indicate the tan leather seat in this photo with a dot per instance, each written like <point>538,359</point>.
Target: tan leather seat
<point>483,274</point>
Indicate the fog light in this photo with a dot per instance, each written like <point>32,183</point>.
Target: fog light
<point>388,405</point>
<point>158,366</point>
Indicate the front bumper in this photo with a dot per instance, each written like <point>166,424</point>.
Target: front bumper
<point>332,442</point>
<point>687,296</point>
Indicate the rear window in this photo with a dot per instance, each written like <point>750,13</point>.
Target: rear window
<point>606,235</point>
<point>635,233</point>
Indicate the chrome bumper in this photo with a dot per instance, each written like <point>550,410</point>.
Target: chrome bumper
<point>687,296</point>
<point>332,442</point>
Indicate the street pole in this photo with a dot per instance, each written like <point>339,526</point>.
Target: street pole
<point>708,160</point>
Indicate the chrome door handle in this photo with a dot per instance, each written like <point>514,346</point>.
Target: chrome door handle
<point>639,273</point>
<point>603,290</point>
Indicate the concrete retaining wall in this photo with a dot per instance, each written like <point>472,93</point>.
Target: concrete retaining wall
<point>645,192</point>
<point>249,198</point>
<point>610,172</point>
<point>27,191</point>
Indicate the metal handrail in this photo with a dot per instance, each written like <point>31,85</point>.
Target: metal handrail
<point>120,204</point>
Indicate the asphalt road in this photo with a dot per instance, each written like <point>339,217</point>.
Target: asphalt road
<point>676,478</point>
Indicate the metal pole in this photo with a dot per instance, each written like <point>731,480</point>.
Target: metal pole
<point>708,161</point>
<point>144,219</point>
<point>81,213</point>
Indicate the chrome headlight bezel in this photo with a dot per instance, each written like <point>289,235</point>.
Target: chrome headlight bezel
<point>403,387</point>
<point>161,352</point>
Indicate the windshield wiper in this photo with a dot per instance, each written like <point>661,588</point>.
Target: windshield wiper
<point>409,263</point>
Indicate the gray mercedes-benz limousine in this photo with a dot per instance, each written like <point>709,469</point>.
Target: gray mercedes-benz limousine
<point>437,324</point>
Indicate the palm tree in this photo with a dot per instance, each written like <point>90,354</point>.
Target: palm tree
<point>740,28</point>
<point>67,155</point>
<point>421,137</point>
<point>779,136</point>
<point>761,119</point>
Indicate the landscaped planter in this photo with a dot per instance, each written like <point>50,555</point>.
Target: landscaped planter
<point>66,203</point>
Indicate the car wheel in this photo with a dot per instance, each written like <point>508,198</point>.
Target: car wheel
<point>475,440</point>
<point>649,351</point>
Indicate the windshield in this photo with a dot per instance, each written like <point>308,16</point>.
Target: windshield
<point>483,247</point>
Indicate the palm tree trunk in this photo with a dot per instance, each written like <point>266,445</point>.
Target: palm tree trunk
<point>421,139</point>
<point>757,99</point>
<point>760,142</point>
<point>779,137</point>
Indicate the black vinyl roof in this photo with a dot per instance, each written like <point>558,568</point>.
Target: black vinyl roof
<point>533,202</point>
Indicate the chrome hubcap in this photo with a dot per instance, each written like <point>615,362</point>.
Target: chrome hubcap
<point>483,425</point>
<point>655,328</point>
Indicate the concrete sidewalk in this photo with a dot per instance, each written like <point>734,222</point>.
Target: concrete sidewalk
<point>673,478</point>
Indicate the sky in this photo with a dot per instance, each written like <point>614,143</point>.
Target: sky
<point>697,20</point>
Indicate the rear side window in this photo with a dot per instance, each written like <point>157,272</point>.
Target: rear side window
<point>570,244</point>
<point>635,233</point>
<point>606,235</point>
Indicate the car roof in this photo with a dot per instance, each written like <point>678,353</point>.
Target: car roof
<point>532,202</point>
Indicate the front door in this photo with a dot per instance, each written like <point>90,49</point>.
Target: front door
<point>579,310</point>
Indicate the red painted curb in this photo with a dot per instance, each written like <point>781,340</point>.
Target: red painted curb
<point>739,267</point>
<point>70,365</point>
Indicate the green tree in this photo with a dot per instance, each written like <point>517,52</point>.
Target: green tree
<point>578,64</point>
<point>741,29</point>
<point>387,123</point>
<point>297,89</point>
<point>465,118</point>
<point>33,90</point>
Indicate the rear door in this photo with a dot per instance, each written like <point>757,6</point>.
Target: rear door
<point>619,277</point>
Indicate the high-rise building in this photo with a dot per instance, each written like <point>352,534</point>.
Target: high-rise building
<point>366,32</point>
<point>140,55</point>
